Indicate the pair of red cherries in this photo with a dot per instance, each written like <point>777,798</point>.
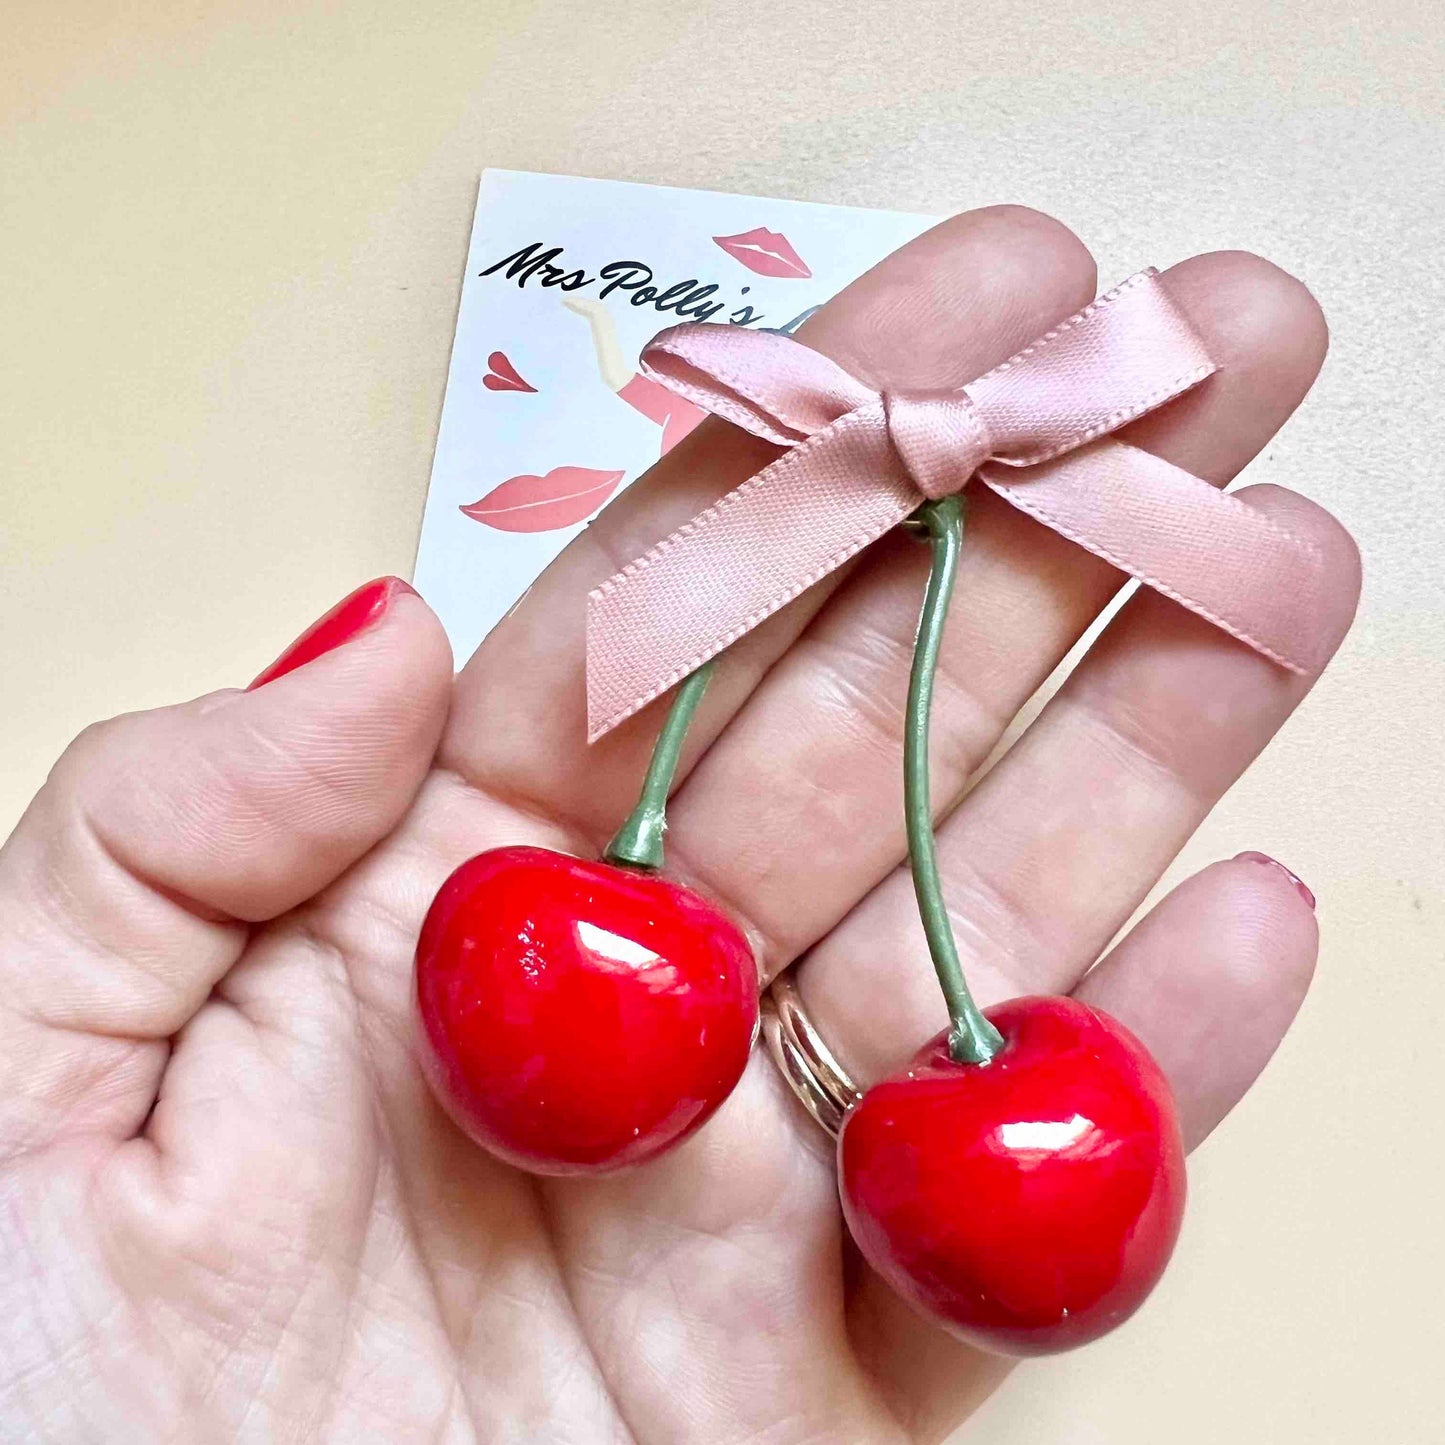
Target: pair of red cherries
<point>579,1017</point>
<point>1022,1181</point>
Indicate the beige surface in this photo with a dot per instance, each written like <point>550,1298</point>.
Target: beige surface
<point>230,245</point>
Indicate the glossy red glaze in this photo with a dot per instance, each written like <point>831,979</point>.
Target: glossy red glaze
<point>1031,1203</point>
<point>351,616</point>
<point>576,1017</point>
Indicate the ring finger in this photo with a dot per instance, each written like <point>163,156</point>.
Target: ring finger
<point>1049,855</point>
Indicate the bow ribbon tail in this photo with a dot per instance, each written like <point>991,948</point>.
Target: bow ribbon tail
<point>1211,552</point>
<point>749,554</point>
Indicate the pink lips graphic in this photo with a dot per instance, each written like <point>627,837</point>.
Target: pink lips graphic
<point>769,253</point>
<point>529,503</point>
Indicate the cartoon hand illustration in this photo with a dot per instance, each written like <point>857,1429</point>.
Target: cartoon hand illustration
<point>616,372</point>
<point>675,415</point>
<point>588,306</point>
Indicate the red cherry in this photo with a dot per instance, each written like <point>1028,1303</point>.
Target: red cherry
<point>577,1017</point>
<point>1030,1203</point>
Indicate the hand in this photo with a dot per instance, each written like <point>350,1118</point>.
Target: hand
<point>229,1208</point>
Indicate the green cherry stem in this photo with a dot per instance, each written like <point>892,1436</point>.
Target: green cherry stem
<point>639,840</point>
<point>972,1039</point>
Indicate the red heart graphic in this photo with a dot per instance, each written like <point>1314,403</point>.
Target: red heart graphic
<point>543,504</point>
<point>503,376</point>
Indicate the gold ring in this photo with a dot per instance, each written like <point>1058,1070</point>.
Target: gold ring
<point>821,1083</point>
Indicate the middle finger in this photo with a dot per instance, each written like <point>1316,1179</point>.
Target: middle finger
<point>796,811</point>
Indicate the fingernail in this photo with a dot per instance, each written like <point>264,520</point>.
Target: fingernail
<point>1299,884</point>
<point>350,617</point>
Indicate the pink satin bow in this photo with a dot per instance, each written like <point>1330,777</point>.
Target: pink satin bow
<point>1033,430</point>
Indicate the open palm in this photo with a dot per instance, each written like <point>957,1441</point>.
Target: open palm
<point>229,1208</point>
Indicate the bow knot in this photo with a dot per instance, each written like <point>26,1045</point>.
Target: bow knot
<point>857,461</point>
<point>940,437</point>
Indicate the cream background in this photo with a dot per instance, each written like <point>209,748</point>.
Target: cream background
<point>230,247</point>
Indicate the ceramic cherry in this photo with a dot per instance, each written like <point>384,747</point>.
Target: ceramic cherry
<point>1023,1180</point>
<point>1029,1203</point>
<point>579,1017</point>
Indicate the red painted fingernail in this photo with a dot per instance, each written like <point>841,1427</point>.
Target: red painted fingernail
<point>351,616</point>
<point>1299,883</point>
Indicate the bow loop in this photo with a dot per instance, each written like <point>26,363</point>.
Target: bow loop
<point>940,437</point>
<point>1034,431</point>
<point>761,381</point>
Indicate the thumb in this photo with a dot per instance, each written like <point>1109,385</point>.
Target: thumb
<point>126,888</point>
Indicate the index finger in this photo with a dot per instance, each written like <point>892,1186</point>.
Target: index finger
<point>951,303</point>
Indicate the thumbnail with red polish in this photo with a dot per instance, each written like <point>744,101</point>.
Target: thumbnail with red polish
<point>349,618</point>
